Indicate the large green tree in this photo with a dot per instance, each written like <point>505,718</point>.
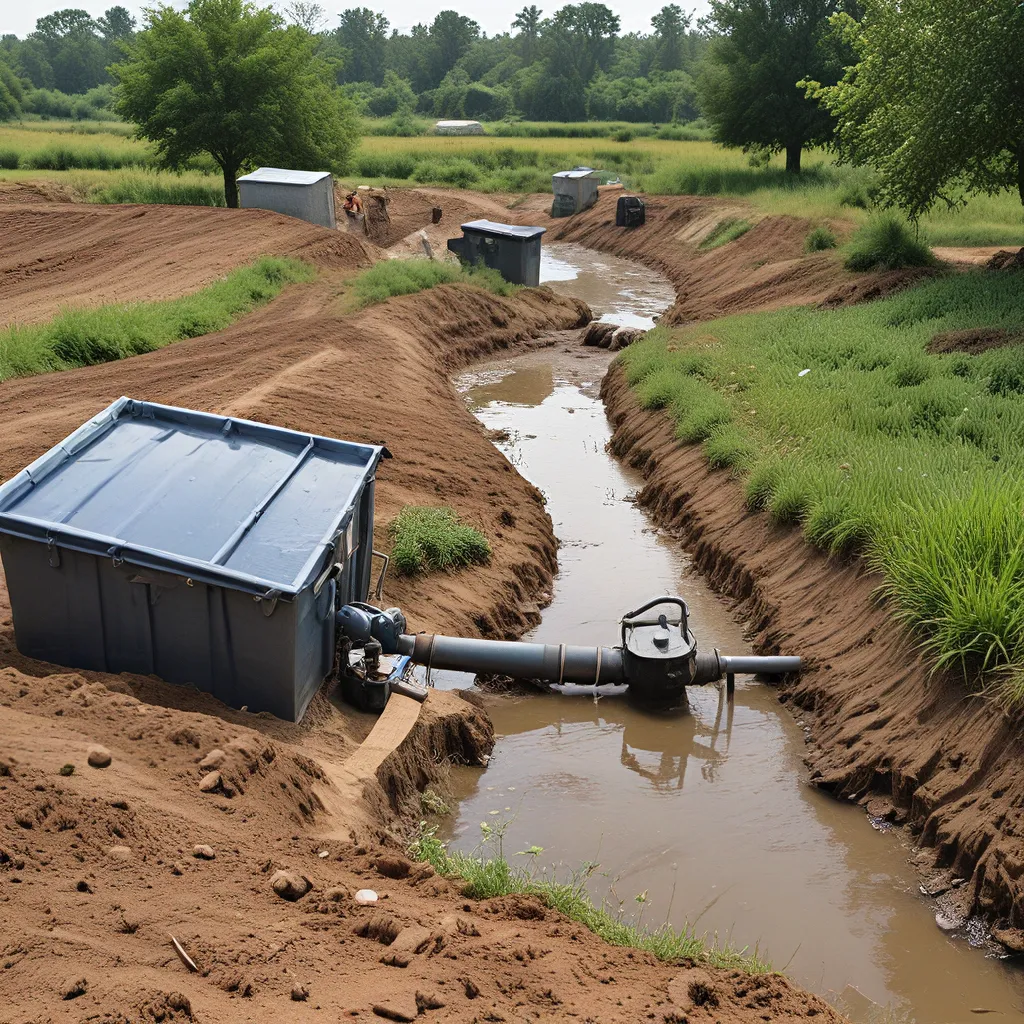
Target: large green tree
<point>225,77</point>
<point>670,27</point>
<point>363,35</point>
<point>936,99</point>
<point>748,87</point>
<point>528,23</point>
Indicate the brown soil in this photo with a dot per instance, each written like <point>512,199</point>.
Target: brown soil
<point>1006,260</point>
<point>100,867</point>
<point>87,255</point>
<point>974,341</point>
<point>885,730</point>
<point>764,269</point>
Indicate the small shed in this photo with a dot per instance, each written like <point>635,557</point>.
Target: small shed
<point>580,183</point>
<point>308,195</point>
<point>459,128</point>
<point>512,250</point>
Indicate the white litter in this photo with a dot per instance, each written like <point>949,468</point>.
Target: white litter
<point>365,897</point>
<point>803,373</point>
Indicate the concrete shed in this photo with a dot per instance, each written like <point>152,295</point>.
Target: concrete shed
<point>580,183</point>
<point>308,195</point>
<point>459,128</point>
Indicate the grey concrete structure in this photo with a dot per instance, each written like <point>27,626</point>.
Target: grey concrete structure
<point>308,195</point>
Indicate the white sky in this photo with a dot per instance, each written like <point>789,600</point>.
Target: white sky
<point>494,16</point>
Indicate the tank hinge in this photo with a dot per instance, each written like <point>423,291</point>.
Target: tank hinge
<point>115,556</point>
<point>268,602</point>
<point>52,553</point>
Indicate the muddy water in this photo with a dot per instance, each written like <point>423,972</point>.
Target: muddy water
<point>708,814</point>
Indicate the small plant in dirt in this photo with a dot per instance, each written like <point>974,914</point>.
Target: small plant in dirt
<point>68,769</point>
<point>820,239</point>
<point>427,538</point>
<point>887,243</point>
<point>431,802</point>
<point>724,232</point>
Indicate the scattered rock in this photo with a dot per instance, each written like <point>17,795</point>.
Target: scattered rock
<point>289,885</point>
<point>338,894</point>
<point>946,923</point>
<point>471,988</point>
<point>429,1001</point>
<point>400,1007</point>
<point>210,782</point>
<point>99,757</point>
<point>610,336</point>
<point>203,852</point>
<point>214,759</point>
<point>300,993</point>
<point>391,866</point>
<point>413,939</point>
<point>25,818</point>
<point>83,886</point>
<point>120,852</point>
<point>1011,938</point>
<point>365,897</point>
<point>72,988</point>
<point>177,869</point>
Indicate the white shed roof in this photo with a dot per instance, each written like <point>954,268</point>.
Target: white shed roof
<point>456,124</point>
<point>282,176</point>
<point>576,172</point>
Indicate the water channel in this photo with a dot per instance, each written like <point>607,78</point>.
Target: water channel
<point>708,813</point>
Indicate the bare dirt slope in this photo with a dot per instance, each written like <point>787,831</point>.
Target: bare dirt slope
<point>909,744</point>
<point>56,255</point>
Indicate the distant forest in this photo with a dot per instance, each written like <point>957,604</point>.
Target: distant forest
<point>572,66</point>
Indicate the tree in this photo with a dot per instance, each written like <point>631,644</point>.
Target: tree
<point>363,35</point>
<point>528,23</point>
<point>226,78</point>
<point>748,87</point>
<point>115,25</point>
<point>451,35</point>
<point>74,54</point>
<point>10,92</point>
<point>936,99</point>
<point>310,17</point>
<point>670,26</point>
<point>583,40</point>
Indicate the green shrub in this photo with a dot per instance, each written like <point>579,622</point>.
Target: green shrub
<point>141,189</point>
<point>9,159</point>
<point>887,243</point>
<point>820,239</point>
<point>433,539</point>
<point>389,278</point>
<point>384,165</point>
<point>458,172</point>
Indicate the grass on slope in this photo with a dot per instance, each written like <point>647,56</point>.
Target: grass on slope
<point>81,337</point>
<point>428,538</point>
<point>842,422</point>
<point>487,873</point>
<point>389,278</point>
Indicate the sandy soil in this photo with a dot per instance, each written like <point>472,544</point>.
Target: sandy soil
<point>907,743</point>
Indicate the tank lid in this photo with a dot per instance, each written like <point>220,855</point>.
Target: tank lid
<point>283,176</point>
<point>490,227</point>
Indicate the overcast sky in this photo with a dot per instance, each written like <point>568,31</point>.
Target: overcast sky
<point>19,16</point>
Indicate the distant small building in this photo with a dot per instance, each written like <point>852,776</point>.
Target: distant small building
<point>511,249</point>
<point>308,195</point>
<point>580,184</point>
<point>459,128</point>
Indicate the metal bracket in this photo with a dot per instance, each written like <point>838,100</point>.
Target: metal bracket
<point>268,602</point>
<point>332,572</point>
<point>378,591</point>
<point>52,553</point>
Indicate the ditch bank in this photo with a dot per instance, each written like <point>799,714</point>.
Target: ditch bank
<point>909,744</point>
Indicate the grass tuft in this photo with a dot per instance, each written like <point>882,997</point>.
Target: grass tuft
<point>83,337</point>
<point>887,243</point>
<point>389,278</point>
<point>725,231</point>
<point>428,539</point>
<point>820,239</point>
<point>486,874</point>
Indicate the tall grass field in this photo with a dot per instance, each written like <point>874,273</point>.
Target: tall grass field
<point>520,161</point>
<point>82,337</point>
<point>843,423</point>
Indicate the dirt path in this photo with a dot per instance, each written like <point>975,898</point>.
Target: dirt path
<point>886,731</point>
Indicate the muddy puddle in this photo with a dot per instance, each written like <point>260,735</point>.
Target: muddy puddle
<point>705,816</point>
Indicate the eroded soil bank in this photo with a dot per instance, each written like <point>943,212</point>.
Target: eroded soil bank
<point>910,744</point>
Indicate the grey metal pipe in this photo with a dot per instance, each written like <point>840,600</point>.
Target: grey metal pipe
<point>552,663</point>
<point>753,665</point>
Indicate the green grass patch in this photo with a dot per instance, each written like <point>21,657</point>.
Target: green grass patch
<point>170,190</point>
<point>842,422</point>
<point>82,337</point>
<point>389,278</point>
<point>724,232</point>
<point>487,873</point>
<point>426,539</point>
<point>820,239</point>
<point>887,243</point>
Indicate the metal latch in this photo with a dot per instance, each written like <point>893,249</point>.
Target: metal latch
<point>268,602</point>
<point>52,553</point>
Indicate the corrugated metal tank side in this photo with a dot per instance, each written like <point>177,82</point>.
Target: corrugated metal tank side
<point>313,203</point>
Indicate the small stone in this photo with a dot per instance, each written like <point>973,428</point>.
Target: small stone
<point>400,1007</point>
<point>24,818</point>
<point>300,993</point>
<point>203,852</point>
<point>337,894</point>
<point>211,782</point>
<point>947,924</point>
<point>429,1001</point>
<point>72,988</point>
<point>365,897</point>
<point>177,869</point>
<point>83,886</point>
<point>413,939</point>
<point>120,852</point>
<point>214,759</point>
<point>289,885</point>
<point>99,757</point>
